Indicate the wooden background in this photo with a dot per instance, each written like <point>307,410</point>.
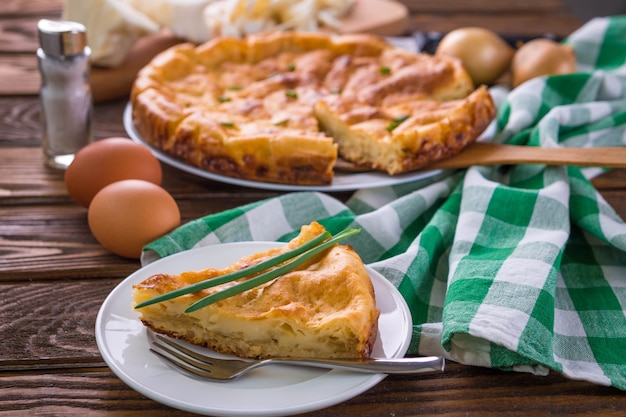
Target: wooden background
<point>54,275</point>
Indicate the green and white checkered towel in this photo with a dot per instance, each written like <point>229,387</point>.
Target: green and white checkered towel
<point>519,268</point>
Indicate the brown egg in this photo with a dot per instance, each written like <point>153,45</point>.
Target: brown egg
<point>106,161</point>
<point>126,215</point>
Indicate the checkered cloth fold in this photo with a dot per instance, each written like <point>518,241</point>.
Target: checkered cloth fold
<point>512,267</point>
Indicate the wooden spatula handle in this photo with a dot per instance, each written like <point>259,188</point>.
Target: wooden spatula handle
<point>483,153</point>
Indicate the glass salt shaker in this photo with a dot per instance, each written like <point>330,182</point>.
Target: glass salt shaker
<point>65,95</point>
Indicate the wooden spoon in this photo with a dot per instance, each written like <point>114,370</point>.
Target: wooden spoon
<point>486,153</point>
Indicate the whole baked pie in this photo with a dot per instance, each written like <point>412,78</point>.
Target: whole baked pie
<point>283,106</point>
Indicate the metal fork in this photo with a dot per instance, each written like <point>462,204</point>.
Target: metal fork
<point>225,369</point>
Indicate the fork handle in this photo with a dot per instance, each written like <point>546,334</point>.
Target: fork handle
<point>382,366</point>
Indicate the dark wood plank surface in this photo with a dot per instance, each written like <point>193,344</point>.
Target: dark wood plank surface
<point>54,276</point>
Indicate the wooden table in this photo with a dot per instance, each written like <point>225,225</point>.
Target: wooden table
<point>54,275</point>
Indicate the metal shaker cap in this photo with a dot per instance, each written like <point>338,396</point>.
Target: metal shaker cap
<point>62,38</point>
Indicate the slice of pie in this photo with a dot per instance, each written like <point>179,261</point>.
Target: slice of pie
<point>283,106</point>
<point>324,309</point>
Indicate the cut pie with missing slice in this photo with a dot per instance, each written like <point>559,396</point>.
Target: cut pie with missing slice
<point>325,308</point>
<point>283,106</point>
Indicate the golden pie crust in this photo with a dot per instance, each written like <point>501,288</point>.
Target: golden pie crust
<point>323,309</point>
<point>283,106</point>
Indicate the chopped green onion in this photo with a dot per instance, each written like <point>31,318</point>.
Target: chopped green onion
<point>335,91</point>
<point>385,70</point>
<point>234,88</point>
<point>251,270</point>
<point>291,67</point>
<point>227,124</point>
<point>223,99</point>
<point>291,94</point>
<point>270,275</point>
<point>396,122</point>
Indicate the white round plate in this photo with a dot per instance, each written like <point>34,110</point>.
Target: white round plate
<point>342,181</point>
<point>274,390</point>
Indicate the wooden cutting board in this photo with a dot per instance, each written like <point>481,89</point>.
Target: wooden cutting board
<point>379,17</point>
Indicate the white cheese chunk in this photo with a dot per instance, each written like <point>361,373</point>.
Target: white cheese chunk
<point>182,17</point>
<point>113,27</point>
<point>243,17</point>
